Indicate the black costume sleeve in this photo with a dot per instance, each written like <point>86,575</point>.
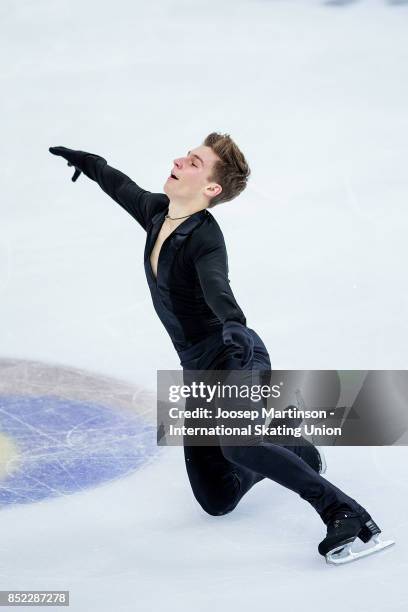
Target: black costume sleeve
<point>211,265</point>
<point>141,204</point>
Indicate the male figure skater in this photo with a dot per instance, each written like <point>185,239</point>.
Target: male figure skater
<point>186,266</point>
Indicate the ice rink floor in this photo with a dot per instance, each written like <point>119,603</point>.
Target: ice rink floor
<point>316,94</point>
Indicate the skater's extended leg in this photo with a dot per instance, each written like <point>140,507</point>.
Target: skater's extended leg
<point>286,468</point>
<point>280,463</point>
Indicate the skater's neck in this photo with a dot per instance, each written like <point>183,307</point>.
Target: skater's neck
<point>180,208</point>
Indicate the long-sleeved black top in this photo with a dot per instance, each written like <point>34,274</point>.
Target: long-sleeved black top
<point>192,294</point>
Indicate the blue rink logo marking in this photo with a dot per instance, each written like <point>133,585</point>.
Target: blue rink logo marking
<point>62,446</point>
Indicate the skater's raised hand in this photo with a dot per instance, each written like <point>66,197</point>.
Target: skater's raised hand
<point>74,158</point>
<point>235,333</point>
<point>141,204</point>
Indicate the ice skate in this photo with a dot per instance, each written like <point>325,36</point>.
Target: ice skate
<point>342,531</point>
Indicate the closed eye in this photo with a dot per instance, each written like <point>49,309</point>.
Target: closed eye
<point>199,158</point>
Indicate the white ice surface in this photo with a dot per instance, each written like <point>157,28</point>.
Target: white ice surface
<point>316,94</point>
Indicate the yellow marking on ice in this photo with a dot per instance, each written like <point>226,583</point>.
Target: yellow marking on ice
<point>8,455</point>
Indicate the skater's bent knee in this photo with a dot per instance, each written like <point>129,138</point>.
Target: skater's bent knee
<point>214,511</point>
<point>217,506</point>
<point>220,500</point>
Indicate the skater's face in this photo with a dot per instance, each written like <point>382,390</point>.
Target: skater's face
<point>192,174</point>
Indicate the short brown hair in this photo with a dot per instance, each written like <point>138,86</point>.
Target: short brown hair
<point>231,171</point>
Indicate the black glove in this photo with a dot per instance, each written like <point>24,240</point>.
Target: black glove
<point>74,158</point>
<point>233,332</point>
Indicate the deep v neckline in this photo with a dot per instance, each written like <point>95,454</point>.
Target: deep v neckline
<point>155,276</point>
<point>183,228</point>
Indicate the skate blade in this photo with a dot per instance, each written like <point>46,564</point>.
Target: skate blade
<point>344,554</point>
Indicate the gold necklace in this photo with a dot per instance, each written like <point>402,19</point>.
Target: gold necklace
<point>175,218</point>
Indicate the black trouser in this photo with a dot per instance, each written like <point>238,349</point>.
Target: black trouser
<point>221,475</point>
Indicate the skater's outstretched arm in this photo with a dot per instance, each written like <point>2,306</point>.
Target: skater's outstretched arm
<point>141,204</point>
